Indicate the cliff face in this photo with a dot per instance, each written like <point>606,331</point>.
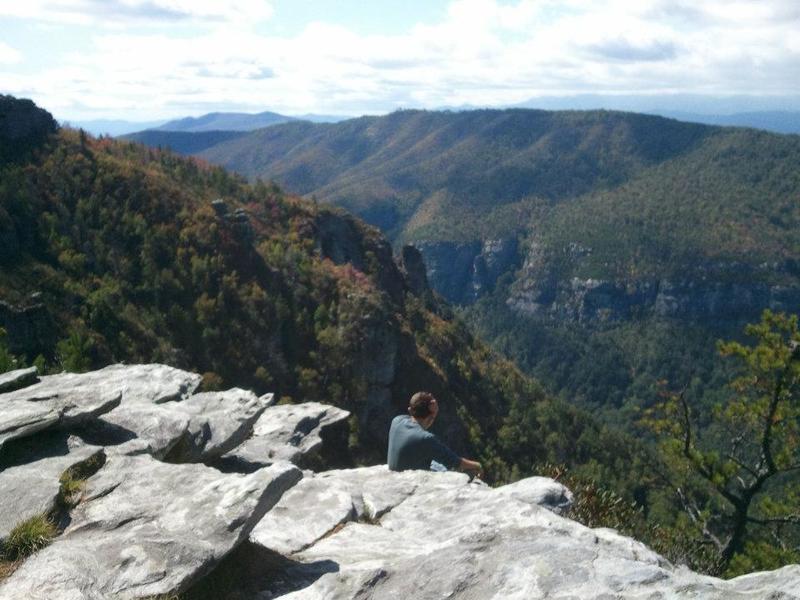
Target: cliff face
<point>463,272</point>
<point>720,292</point>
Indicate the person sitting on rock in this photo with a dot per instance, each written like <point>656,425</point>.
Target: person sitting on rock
<point>411,446</point>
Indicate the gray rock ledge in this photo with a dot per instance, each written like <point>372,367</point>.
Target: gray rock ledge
<point>147,528</point>
<point>290,432</point>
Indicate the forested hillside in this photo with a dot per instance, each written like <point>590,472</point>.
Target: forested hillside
<point>402,170</point>
<point>115,252</point>
<point>603,251</point>
<point>182,142</point>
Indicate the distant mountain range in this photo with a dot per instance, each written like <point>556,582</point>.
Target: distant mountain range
<point>112,127</point>
<point>780,114</point>
<point>224,121</point>
<point>216,121</point>
<point>778,121</point>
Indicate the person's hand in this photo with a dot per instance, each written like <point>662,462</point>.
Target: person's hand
<point>475,469</point>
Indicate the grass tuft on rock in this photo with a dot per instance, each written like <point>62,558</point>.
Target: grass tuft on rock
<point>29,536</point>
<point>73,480</point>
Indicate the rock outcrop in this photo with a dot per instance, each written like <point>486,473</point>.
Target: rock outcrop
<point>441,537</point>
<point>152,520</point>
<point>412,266</point>
<point>30,327</point>
<point>292,432</point>
<point>32,488</point>
<point>19,378</point>
<point>463,272</point>
<point>57,401</point>
<point>718,292</point>
<point>146,528</point>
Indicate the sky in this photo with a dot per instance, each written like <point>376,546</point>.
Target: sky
<point>156,59</point>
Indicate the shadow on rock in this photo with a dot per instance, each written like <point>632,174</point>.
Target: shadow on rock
<point>251,571</point>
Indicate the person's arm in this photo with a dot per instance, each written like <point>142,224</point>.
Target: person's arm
<point>442,454</point>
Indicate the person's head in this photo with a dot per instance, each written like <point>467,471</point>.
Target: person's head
<point>423,408</point>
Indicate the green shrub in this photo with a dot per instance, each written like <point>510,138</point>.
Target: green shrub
<point>29,536</point>
<point>74,352</point>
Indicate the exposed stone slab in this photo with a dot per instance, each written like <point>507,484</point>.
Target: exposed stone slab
<point>147,528</point>
<point>150,383</point>
<point>475,542</point>
<point>19,378</point>
<point>201,427</point>
<point>377,490</point>
<point>31,489</point>
<point>291,432</point>
<point>139,428</point>
<point>57,400</point>
<point>307,512</point>
<point>69,398</point>
<point>218,422</point>
<point>322,502</point>
<point>785,580</point>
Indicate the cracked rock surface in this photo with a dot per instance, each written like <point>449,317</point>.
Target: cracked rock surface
<point>31,488</point>
<point>146,528</point>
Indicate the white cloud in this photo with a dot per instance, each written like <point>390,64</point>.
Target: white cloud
<point>481,52</point>
<point>114,12</point>
<point>9,55</point>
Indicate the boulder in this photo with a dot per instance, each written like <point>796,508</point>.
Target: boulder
<point>147,528</point>
<point>542,491</point>
<point>19,378</point>
<point>290,432</point>
<point>32,488</point>
<point>217,422</point>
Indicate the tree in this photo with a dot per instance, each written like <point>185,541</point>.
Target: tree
<point>736,478</point>
<point>74,352</point>
<point>8,361</point>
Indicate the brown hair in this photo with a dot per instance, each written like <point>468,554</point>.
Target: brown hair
<point>420,404</point>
